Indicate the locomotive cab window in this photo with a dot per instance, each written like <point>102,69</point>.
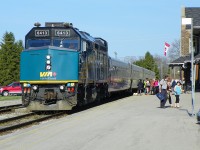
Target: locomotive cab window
<point>38,42</point>
<point>52,36</point>
<point>66,43</point>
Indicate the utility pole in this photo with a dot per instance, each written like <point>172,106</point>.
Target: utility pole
<point>189,21</point>
<point>192,67</point>
<point>115,54</point>
<point>174,72</point>
<point>161,70</point>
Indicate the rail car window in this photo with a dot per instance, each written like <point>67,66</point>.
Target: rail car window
<point>38,42</point>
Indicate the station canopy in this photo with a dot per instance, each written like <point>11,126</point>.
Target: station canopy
<point>183,60</point>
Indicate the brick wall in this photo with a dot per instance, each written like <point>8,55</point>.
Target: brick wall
<point>190,12</point>
<point>185,35</point>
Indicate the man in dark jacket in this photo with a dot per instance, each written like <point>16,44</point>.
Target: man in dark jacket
<point>140,86</point>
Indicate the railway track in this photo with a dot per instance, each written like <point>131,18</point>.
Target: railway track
<point>26,119</point>
<point>9,108</point>
<point>20,121</point>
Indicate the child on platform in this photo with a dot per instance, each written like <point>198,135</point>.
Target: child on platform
<point>177,90</point>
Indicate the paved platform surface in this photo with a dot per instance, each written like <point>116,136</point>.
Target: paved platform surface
<point>133,123</point>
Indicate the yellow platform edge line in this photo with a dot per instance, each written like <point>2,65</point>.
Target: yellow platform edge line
<point>48,81</point>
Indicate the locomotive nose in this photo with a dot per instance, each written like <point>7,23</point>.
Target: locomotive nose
<point>49,65</point>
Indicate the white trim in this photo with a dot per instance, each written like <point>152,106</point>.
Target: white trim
<point>186,21</point>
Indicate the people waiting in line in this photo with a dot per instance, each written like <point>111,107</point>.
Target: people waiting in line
<point>143,86</point>
<point>166,86</point>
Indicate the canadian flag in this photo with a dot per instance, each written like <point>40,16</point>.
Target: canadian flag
<point>166,48</point>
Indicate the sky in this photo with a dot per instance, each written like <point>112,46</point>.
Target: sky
<point>131,27</point>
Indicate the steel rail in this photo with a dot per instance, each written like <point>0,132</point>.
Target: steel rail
<point>16,117</point>
<point>23,124</point>
<point>9,108</point>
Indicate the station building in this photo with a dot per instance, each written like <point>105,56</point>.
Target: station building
<point>184,61</point>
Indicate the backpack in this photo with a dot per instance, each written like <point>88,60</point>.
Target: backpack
<point>174,83</point>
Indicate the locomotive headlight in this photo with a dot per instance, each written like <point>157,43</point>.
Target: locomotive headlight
<point>35,87</point>
<point>48,57</point>
<point>48,62</point>
<point>62,87</point>
<point>72,84</point>
<point>26,85</point>
<point>48,67</point>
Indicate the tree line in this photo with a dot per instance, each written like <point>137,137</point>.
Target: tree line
<point>159,64</point>
<point>10,50</point>
<point>149,63</point>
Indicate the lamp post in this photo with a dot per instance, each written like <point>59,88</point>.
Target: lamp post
<point>115,55</point>
<point>189,21</point>
<point>192,67</point>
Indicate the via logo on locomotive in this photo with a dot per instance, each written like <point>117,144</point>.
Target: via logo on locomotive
<point>47,74</point>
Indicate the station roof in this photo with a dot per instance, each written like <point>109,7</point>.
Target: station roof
<point>193,12</point>
<point>184,59</point>
<point>190,12</point>
<point>180,60</point>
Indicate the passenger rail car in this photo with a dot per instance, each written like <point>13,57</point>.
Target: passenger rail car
<point>62,67</point>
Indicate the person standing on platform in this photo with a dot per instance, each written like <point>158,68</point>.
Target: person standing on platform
<point>177,90</point>
<point>173,84</point>
<point>147,86</point>
<point>169,90</point>
<point>152,86</point>
<point>145,90</point>
<point>156,86</point>
<point>163,90</point>
<point>183,85</point>
<point>140,87</point>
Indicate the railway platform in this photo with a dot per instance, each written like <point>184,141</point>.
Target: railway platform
<point>135,122</point>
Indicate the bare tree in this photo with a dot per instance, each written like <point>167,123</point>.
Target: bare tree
<point>174,51</point>
<point>163,67</point>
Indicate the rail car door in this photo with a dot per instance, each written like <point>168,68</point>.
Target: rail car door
<point>101,66</point>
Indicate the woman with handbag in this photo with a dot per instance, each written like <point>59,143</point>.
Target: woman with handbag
<point>163,91</point>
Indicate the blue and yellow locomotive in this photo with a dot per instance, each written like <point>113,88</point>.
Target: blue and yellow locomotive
<point>62,67</point>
